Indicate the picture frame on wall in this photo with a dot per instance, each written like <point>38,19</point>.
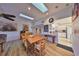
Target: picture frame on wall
<point>46,29</point>
<point>8,26</point>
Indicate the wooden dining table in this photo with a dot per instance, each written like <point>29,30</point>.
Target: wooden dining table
<point>34,38</point>
<point>31,41</point>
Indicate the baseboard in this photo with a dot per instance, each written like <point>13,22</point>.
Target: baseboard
<point>65,47</point>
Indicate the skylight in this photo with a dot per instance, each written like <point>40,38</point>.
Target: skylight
<point>41,7</point>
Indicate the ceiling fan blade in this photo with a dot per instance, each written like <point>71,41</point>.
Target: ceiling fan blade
<point>9,18</point>
<point>8,15</point>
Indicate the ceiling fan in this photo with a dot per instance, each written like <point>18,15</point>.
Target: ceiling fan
<point>7,16</point>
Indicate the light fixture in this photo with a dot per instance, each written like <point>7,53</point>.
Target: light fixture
<point>29,8</point>
<point>41,7</point>
<point>56,6</point>
<point>67,4</point>
<point>25,16</point>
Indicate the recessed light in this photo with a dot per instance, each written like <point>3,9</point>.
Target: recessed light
<point>56,6</point>
<point>29,8</point>
<point>67,4</point>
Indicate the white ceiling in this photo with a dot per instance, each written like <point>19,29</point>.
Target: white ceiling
<point>18,8</point>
